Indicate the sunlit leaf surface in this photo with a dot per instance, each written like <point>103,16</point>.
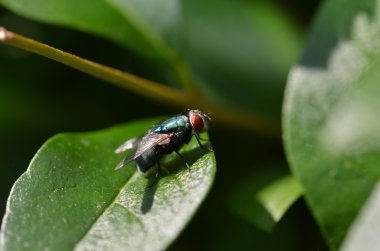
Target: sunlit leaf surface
<point>72,198</point>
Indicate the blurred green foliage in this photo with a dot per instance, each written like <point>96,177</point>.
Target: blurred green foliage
<point>331,122</point>
<point>39,98</point>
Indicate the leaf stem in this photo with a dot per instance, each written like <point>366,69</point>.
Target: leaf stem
<point>147,88</point>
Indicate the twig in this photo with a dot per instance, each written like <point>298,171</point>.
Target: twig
<point>144,87</point>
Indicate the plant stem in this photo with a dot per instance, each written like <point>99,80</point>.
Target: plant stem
<point>146,88</point>
<point>122,79</point>
<point>184,76</point>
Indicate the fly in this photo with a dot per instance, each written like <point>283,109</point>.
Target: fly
<point>167,137</point>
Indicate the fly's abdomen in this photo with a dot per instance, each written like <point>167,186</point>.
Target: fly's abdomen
<point>148,159</point>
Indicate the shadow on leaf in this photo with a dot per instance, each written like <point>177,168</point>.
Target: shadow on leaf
<point>173,167</point>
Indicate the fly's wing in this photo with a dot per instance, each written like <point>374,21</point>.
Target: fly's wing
<point>149,141</point>
<point>125,161</point>
<point>129,144</point>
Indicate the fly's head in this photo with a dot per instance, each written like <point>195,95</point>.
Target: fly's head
<point>199,120</point>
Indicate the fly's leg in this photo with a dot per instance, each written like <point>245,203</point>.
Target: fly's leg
<point>184,160</point>
<point>200,138</point>
<point>156,176</point>
<point>200,144</point>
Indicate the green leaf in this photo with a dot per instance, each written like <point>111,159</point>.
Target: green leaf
<point>72,198</point>
<point>364,233</point>
<point>278,196</point>
<point>331,122</point>
<point>130,23</point>
<point>263,198</point>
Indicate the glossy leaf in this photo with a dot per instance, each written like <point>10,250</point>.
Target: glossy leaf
<point>129,23</point>
<point>71,198</point>
<point>264,198</point>
<point>331,121</point>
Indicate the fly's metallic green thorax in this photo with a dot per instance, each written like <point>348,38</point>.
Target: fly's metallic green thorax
<point>167,137</point>
<point>173,124</point>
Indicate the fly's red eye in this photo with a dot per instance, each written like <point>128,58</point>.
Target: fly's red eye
<point>197,122</point>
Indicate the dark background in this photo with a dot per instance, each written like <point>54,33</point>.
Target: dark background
<point>40,98</point>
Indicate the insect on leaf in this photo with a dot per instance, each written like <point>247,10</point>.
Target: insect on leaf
<point>71,198</point>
